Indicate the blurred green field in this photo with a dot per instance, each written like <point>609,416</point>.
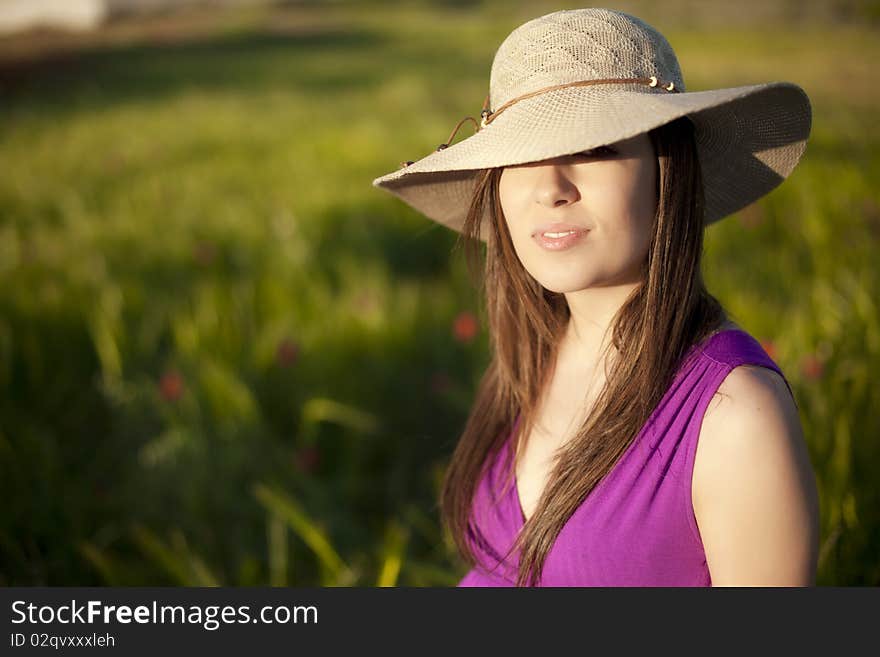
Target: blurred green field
<point>226,359</point>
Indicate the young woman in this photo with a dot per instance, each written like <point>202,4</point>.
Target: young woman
<point>626,431</point>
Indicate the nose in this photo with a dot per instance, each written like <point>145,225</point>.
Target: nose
<point>553,187</point>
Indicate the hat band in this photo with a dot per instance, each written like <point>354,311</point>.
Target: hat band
<point>489,115</point>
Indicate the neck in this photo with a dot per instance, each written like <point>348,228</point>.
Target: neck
<point>589,326</point>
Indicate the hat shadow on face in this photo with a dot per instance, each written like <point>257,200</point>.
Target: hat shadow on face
<point>665,139</point>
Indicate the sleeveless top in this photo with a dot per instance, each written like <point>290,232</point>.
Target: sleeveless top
<point>637,526</point>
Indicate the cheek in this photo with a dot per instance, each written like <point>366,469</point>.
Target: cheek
<point>647,197</point>
<point>509,192</point>
<point>637,201</point>
<point>643,210</point>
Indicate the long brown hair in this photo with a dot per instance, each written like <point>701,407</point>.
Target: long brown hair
<point>671,307</point>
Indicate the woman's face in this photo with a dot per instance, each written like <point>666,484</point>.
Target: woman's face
<point>607,196</point>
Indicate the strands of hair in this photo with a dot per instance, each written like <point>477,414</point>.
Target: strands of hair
<point>671,307</point>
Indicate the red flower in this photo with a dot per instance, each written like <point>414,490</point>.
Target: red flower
<point>812,367</point>
<point>307,458</point>
<point>287,352</point>
<point>114,162</point>
<point>751,215</point>
<point>171,385</point>
<point>440,382</point>
<point>770,347</point>
<point>465,327</point>
<point>366,303</point>
<point>204,253</point>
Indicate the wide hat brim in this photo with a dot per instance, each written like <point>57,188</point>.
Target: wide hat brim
<point>749,140</point>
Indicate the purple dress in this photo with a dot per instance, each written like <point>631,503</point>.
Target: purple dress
<point>637,526</point>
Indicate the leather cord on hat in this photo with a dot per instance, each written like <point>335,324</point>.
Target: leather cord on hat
<point>489,115</point>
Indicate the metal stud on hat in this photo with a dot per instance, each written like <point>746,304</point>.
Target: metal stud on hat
<point>577,79</point>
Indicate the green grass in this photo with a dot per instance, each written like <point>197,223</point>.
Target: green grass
<point>200,291</point>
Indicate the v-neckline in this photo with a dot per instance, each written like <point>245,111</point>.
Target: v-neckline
<point>517,502</point>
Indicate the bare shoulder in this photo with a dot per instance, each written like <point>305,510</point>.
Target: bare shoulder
<point>754,491</point>
<point>756,387</point>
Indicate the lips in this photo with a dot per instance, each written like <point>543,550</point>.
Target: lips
<point>558,236</point>
<point>563,241</point>
<point>558,227</point>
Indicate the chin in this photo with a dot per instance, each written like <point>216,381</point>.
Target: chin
<point>563,286</point>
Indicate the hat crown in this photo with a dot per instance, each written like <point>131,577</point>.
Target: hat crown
<point>579,44</point>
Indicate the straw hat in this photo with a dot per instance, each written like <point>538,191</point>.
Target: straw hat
<point>577,79</point>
